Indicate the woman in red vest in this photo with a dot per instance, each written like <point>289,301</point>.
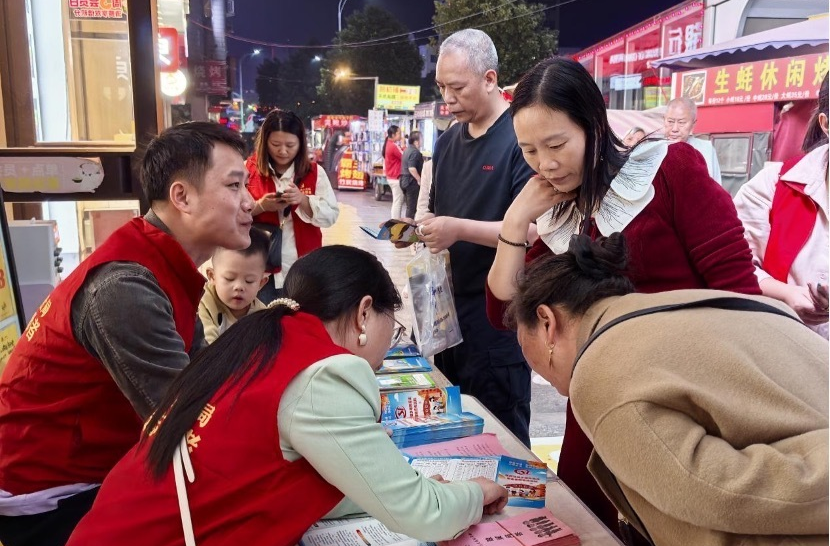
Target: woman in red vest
<point>392,157</point>
<point>276,424</point>
<point>784,211</point>
<point>680,224</point>
<point>293,195</point>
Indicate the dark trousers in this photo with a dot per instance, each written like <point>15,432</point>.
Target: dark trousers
<point>410,195</point>
<point>489,365</point>
<point>51,528</point>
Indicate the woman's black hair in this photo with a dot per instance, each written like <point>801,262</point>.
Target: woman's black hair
<point>283,121</point>
<point>815,136</point>
<point>563,85</point>
<point>574,280</point>
<point>390,132</point>
<point>328,283</point>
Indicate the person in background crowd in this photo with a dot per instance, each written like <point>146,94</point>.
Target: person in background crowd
<point>293,196</point>
<point>784,211</point>
<point>422,209</point>
<point>709,420</point>
<point>234,278</point>
<point>307,366</point>
<point>392,157</point>
<point>101,351</point>
<point>682,229</point>
<point>633,136</point>
<point>680,118</point>
<point>410,181</point>
<point>477,172</point>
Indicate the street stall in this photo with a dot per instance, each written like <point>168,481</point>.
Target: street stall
<point>431,119</point>
<point>754,94</point>
<point>331,135</point>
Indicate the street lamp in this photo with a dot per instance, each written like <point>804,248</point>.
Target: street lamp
<point>340,5</point>
<point>343,74</point>
<point>253,53</point>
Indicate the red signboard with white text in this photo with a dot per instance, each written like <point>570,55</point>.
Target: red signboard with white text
<point>786,79</point>
<point>168,49</point>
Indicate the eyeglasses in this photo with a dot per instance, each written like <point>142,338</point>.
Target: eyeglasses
<point>397,333</point>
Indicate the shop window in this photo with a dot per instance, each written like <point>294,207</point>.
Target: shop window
<point>735,160</point>
<point>81,82</point>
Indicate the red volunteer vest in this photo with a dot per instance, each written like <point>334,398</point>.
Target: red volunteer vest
<point>306,236</point>
<point>792,219</point>
<point>245,492</point>
<point>63,420</point>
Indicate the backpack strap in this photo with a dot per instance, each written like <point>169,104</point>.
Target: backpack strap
<point>726,303</point>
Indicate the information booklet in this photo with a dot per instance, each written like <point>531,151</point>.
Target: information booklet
<point>354,532</point>
<point>420,403</point>
<point>532,528</point>
<point>525,481</point>
<point>396,231</point>
<point>404,381</point>
<point>416,431</point>
<point>402,351</point>
<point>404,364</point>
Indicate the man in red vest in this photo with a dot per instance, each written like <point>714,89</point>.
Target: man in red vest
<point>102,349</point>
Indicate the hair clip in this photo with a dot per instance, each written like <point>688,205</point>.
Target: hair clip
<point>285,302</point>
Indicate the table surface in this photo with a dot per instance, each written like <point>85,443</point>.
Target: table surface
<point>559,499</point>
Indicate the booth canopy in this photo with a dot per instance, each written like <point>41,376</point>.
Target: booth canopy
<point>802,38</point>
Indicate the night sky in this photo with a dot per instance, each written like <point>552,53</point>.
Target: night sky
<point>299,21</point>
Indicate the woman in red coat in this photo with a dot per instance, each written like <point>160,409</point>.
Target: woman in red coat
<point>293,195</point>
<point>680,225</point>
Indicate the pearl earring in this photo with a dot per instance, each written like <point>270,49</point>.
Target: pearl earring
<point>362,339</point>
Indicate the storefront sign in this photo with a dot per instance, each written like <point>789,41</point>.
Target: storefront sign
<point>50,174</point>
<point>97,9</point>
<point>168,49</point>
<point>333,121</point>
<point>350,174</point>
<point>209,77</point>
<point>790,78</point>
<point>425,110</point>
<point>397,97</point>
<point>8,337</point>
<point>6,300</point>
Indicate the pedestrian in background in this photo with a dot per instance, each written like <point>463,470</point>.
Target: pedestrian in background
<point>392,157</point>
<point>412,165</point>
<point>294,199</point>
<point>678,122</point>
<point>478,170</point>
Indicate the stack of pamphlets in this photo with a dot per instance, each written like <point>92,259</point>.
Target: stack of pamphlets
<point>405,364</point>
<point>525,481</point>
<point>424,416</point>
<point>532,528</point>
<point>403,351</point>
<point>404,381</point>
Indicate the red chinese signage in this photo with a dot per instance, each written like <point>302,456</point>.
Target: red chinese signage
<point>168,49</point>
<point>787,79</point>
<point>209,77</point>
<point>334,121</point>
<point>96,9</point>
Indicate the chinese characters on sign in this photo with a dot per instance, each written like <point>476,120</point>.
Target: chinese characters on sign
<point>334,121</point>
<point>209,77</point>
<point>350,174</point>
<point>50,174</point>
<point>790,78</point>
<point>168,49</point>
<point>96,9</point>
<point>397,97</point>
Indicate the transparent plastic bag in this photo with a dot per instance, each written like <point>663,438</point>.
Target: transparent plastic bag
<point>430,286</point>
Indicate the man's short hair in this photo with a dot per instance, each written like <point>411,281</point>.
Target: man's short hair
<point>414,137</point>
<point>686,103</point>
<point>260,243</point>
<point>476,46</point>
<point>183,151</point>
